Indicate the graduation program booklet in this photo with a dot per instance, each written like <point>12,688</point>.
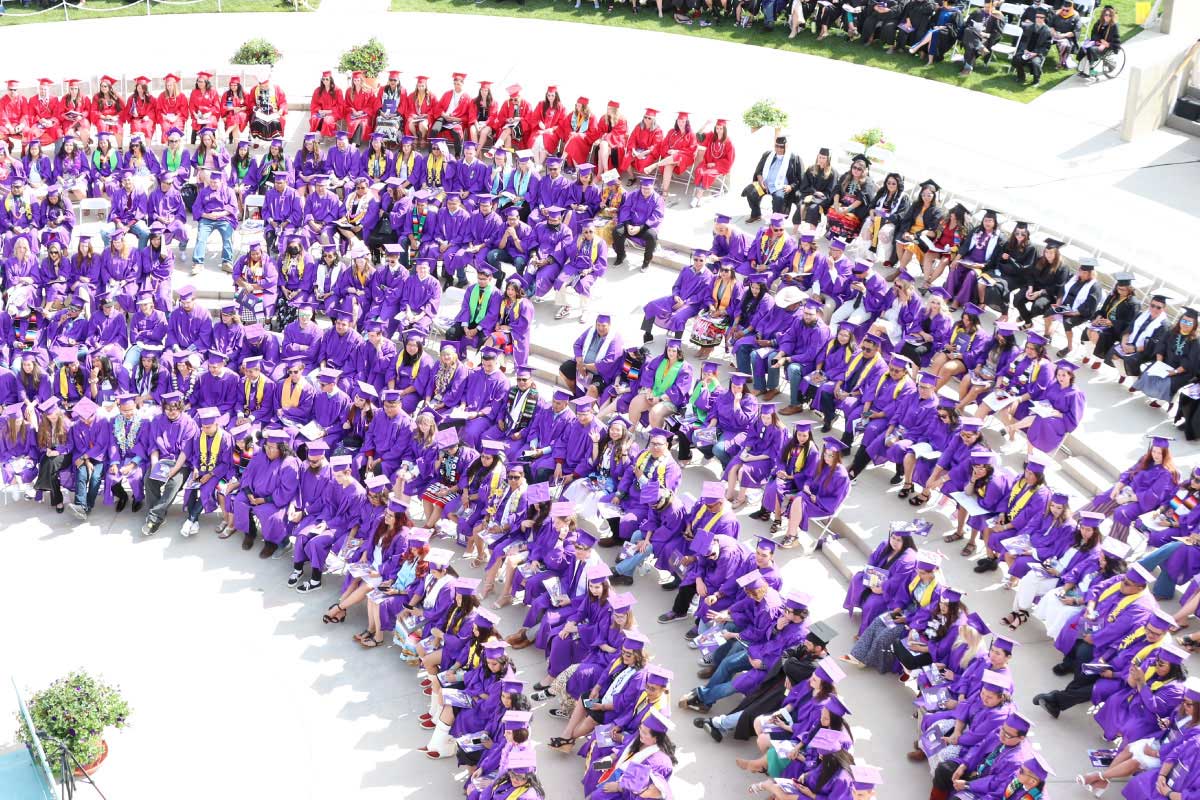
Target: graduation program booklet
<point>161,469</point>
<point>1102,756</point>
<point>456,698</point>
<point>873,577</point>
<point>925,450</point>
<point>311,431</point>
<point>1019,545</point>
<point>1094,668</point>
<point>602,735</point>
<point>471,742</point>
<point>787,786</point>
<point>1042,409</point>
<point>709,641</point>
<point>554,587</point>
<point>969,504</point>
<point>932,697</point>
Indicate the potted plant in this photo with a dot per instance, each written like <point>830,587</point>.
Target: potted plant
<point>256,51</point>
<point>369,58</point>
<point>75,711</point>
<point>765,114</point>
<point>871,139</point>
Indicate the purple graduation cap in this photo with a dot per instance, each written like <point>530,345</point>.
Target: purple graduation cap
<point>1114,548</point>
<point>363,389</point>
<point>1005,644</point>
<point>583,404</point>
<point>828,670</point>
<point>598,572</point>
<point>703,542</point>
<point>927,379</point>
<point>466,585</point>
<point>837,705</point>
<point>486,618</point>
<point>84,409</point>
<point>646,180</point>
<point>561,509</point>
<point>722,219</point>
<point>752,580</point>
<point>928,560</point>
<point>50,405</point>
<point>634,642</point>
<point>494,648</point>
<point>584,540</point>
<point>172,397</point>
<point>439,557</point>
<point>649,494</point>
<point>971,424</point>
<point>1191,689</point>
<point>328,375</point>
<point>981,458</point>
<point>375,483</point>
<point>658,722</point>
<point>446,438</point>
<point>764,543</point>
<point>620,602</point>
<point>1063,363</point>
<point>712,491</point>
<point>1037,767</point>
<point>1138,575</point>
<point>834,443</point>
<point>659,675</point>
<point>952,595</point>
<point>865,777</point>
<point>1171,654</point>
<point>837,244</point>
<point>1036,467</point>
<point>340,463</point>
<point>976,622</point>
<point>796,601</point>
<point>1161,620</point>
<point>515,720</point>
<point>318,448</point>
<point>522,760</point>
<point>538,493</point>
<point>996,682</point>
<point>738,378</point>
<point>1018,722</point>
<point>827,740</point>
<point>1162,442</point>
<point>456,346</point>
<point>208,415</point>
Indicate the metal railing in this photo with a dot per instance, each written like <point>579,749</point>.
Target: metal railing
<point>66,8</point>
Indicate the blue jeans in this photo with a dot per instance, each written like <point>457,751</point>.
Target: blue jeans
<point>138,229</point>
<point>1164,585</point>
<point>87,486</point>
<point>742,355</point>
<point>726,722</point>
<point>736,659</point>
<point>629,565</point>
<point>795,373</point>
<point>768,12</point>
<point>132,356</point>
<point>207,226</point>
<point>721,451</point>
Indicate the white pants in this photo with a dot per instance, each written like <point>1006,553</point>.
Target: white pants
<point>1033,584</point>
<point>1054,614</point>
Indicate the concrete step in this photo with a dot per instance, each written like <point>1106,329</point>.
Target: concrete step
<point>1183,125</point>
<point>1089,475</point>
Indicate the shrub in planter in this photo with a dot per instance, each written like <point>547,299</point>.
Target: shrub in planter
<point>256,51</point>
<point>369,58</point>
<point>76,710</point>
<point>765,114</point>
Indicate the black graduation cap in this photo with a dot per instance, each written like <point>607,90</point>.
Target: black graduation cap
<point>931,183</point>
<point>961,210</point>
<point>1055,243</point>
<point>861,157</point>
<point>1124,278</point>
<point>988,212</point>
<point>1160,297</point>
<point>824,151</point>
<point>821,633</point>
<point>1022,224</point>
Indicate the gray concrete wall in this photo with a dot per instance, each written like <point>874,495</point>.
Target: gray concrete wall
<point>1154,86</point>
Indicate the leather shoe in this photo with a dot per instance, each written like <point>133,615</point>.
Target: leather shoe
<point>1047,705</point>
<point>1062,669</point>
<point>120,504</point>
<point>706,672</point>
<point>916,755</point>
<point>609,541</point>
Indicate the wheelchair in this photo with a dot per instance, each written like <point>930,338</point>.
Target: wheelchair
<point>1112,64</point>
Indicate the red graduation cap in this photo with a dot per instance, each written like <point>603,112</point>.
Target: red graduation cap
<point>356,74</point>
<point>204,76</point>
<point>459,76</point>
<point>422,78</point>
<point>107,79</point>
<point>552,88</point>
<point>683,115</point>
<point>234,80</point>
<point>393,75</point>
<point>485,83</point>
<point>44,81</point>
<point>583,101</point>
<point>171,76</point>
<point>327,73</point>
<point>13,84</point>
<point>723,122</point>
<point>613,104</point>
<point>73,83</point>
<point>514,90</point>
<point>141,79</point>
<point>651,112</point>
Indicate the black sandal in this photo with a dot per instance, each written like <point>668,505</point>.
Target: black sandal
<point>370,643</point>
<point>328,618</point>
<point>1021,618</point>
<point>905,490</point>
<point>919,500</point>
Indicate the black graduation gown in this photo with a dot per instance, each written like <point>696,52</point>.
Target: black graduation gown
<point>768,697</point>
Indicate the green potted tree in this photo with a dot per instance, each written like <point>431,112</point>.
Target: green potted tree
<point>75,711</point>
<point>369,58</point>
<point>765,114</point>
<point>256,51</point>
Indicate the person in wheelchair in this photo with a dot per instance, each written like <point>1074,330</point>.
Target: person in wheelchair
<point>1102,43</point>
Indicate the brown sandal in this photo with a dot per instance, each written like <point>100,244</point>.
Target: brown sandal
<point>969,549</point>
<point>957,536</point>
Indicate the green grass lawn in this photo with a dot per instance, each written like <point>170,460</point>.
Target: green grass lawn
<point>992,79</point>
<point>17,14</point>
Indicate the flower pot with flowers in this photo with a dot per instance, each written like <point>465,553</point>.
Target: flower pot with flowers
<point>765,114</point>
<point>73,713</point>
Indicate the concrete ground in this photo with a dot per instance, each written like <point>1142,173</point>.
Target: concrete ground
<point>238,688</point>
